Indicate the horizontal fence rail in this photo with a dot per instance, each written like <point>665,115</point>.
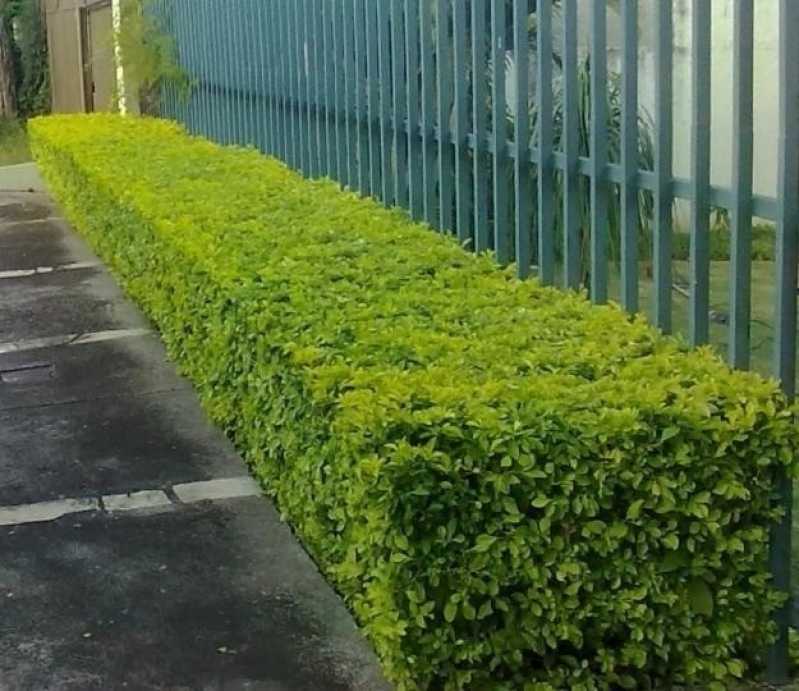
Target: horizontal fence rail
<point>491,120</point>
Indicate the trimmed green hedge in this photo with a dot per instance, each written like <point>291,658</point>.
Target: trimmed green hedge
<point>511,488</point>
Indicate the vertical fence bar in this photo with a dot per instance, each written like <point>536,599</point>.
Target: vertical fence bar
<point>444,75</point>
<point>741,212</point>
<point>296,85</point>
<point>217,72</point>
<point>292,134</point>
<point>254,105</point>
<point>400,107</point>
<point>546,135</point>
<point>310,88</point>
<point>599,153</point>
<point>629,157</point>
<point>361,84</point>
<point>288,122</point>
<point>330,86</point>
<point>265,46</point>
<point>223,61</point>
<point>699,308</point>
<point>245,93</point>
<point>415,180</point>
<point>183,50</point>
<point>571,143</point>
<point>310,81</point>
<point>204,68</point>
<point>463,218</point>
<point>349,98</point>
<point>226,42</point>
<point>254,66</point>
<point>428,116</point>
<point>241,69</point>
<point>383,37</point>
<point>301,79</point>
<point>243,73</point>
<point>202,101</point>
<point>214,77</point>
<point>502,240</point>
<point>257,77</point>
<point>480,128</point>
<point>177,32</point>
<point>778,659</point>
<point>277,79</point>
<point>306,93</point>
<point>521,137</point>
<point>319,87</point>
<point>234,45</point>
<point>373,100</point>
<point>338,96</point>
<point>663,167</point>
<point>297,80</point>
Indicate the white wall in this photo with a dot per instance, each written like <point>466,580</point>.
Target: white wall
<point>766,68</point>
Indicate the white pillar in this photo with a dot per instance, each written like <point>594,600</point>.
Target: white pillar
<point>116,12</point>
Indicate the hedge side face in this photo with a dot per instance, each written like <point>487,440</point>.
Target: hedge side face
<point>511,488</point>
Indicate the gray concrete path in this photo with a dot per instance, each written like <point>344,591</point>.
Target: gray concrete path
<point>135,553</point>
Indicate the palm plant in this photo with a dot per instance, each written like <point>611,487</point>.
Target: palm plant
<point>615,104</point>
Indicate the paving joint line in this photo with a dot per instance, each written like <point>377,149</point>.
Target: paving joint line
<point>46,219</point>
<point>93,399</point>
<point>158,498</point>
<point>11,274</point>
<point>72,339</point>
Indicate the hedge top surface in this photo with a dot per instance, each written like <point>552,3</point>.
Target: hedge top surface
<point>457,317</point>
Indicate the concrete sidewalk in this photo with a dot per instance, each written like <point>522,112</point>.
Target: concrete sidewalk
<point>135,553</point>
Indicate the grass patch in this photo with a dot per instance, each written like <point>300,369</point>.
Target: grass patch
<point>13,143</point>
<point>763,300</point>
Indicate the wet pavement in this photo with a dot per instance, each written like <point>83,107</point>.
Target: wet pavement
<point>162,593</point>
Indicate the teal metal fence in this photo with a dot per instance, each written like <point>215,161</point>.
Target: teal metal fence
<point>465,113</point>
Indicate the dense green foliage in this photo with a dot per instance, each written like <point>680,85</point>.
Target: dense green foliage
<point>30,52</point>
<point>148,55</point>
<point>512,489</point>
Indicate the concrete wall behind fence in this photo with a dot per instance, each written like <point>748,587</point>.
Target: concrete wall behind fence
<point>766,97</point>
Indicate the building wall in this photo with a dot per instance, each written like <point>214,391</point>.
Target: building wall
<point>75,51</point>
<point>66,63</point>
<point>766,81</point>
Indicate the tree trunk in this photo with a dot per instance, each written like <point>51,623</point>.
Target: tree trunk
<point>8,100</point>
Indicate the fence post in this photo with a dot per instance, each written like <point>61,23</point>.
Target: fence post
<point>699,323</point>
<point>546,138</point>
<point>571,141</point>
<point>599,153</point>
<point>785,317</point>
<point>479,127</point>
<point>629,157</point>
<point>663,166</point>
<point>502,237</point>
